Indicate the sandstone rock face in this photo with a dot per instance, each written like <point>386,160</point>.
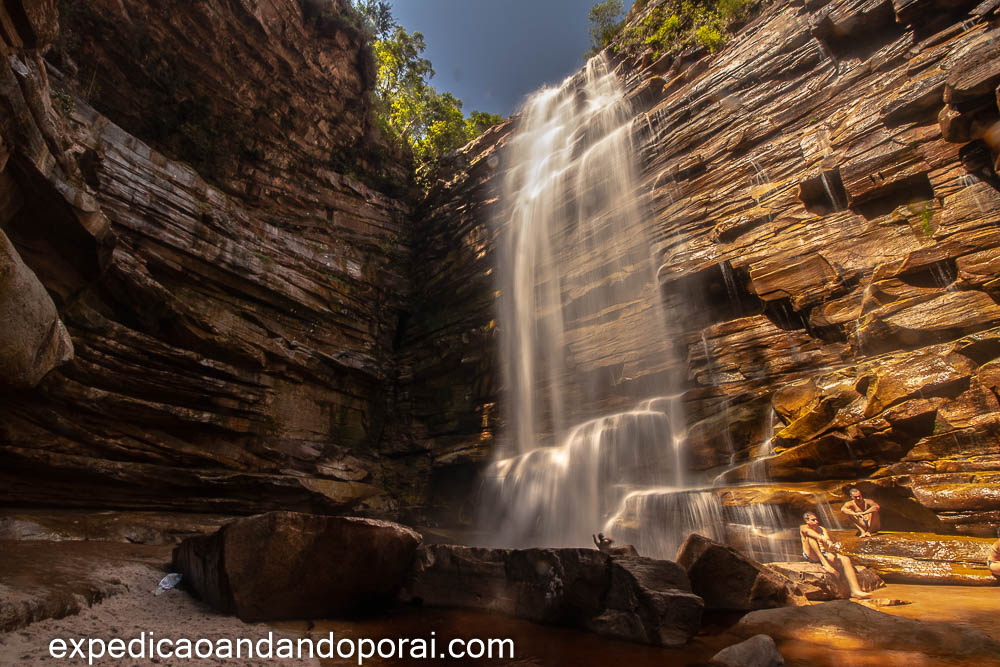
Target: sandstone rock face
<point>234,326</point>
<point>636,599</point>
<point>283,565</point>
<point>846,623</point>
<point>924,558</point>
<point>33,340</point>
<point>824,203</point>
<point>729,581</point>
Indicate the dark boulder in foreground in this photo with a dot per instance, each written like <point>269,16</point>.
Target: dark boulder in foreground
<point>283,565</point>
<point>758,651</point>
<point>636,599</point>
<point>729,581</point>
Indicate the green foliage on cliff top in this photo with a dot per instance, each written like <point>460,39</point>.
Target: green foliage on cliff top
<point>669,25</point>
<point>408,108</point>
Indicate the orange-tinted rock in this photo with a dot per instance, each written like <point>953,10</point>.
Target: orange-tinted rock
<point>817,585</point>
<point>841,623</point>
<point>922,557</point>
<point>976,74</point>
<point>789,401</point>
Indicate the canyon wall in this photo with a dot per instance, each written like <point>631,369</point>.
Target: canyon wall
<point>219,295</point>
<point>204,260</point>
<point>824,199</point>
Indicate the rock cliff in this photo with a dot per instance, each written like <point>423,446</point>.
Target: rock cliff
<point>219,295</point>
<point>218,337</point>
<point>824,197</point>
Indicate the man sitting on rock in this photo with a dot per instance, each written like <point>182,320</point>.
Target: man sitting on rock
<point>603,543</point>
<point>815,539</point>
<point>864,513</point>
<point>993,559</point>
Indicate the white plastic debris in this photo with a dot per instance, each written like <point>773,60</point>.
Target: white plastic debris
<point>167,582</point>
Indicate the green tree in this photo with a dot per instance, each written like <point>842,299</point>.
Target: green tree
<point>605,21</point>
<point>378,16</point>
<point>407,106</point>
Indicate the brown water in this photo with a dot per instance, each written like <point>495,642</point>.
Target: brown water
<point>534,644</point>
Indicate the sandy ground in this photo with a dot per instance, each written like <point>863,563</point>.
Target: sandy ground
<point>110,586</point>
<point>127,613</point>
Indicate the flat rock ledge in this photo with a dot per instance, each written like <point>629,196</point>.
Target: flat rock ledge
<point>636,599</point>
<point>818,585</point>
<point>843,623</point>
<point>285,565</point>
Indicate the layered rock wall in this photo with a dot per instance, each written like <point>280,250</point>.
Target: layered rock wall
<point>230,330</point>
<point>824,199</point>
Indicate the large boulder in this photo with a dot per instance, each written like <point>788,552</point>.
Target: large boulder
<point>816,584</point>
<point>758,651</point>
<point>843,623</point>
<point>283,565</point>
<point>729,581</point>
<point>33,339</point>
<point>636,599</point>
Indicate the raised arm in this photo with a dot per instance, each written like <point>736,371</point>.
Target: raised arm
<point>594,537</point>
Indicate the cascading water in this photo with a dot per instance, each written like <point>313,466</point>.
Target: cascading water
<point>595,437</point>
<point>585,443</point>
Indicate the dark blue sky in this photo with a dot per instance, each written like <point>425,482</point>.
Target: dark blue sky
<point>493,53</point>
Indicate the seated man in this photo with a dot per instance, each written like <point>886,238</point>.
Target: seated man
<point>993,560</point>
<point>864,513</point>
<point>603,543</point>
<point>815,539</point>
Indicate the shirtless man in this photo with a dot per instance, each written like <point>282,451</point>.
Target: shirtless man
<point>864,513</point>
<point>993,560</point>
<point>603,543</point>
<point>814,539</point>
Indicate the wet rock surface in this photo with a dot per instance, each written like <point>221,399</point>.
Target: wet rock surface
<point>758,651</point>
<point>814,583</point>
<point>923,557</point>
<point>635,599</point>
<point>284,565</point>
<point>842,622</point>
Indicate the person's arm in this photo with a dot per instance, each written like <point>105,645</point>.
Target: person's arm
<point>846,509</point>
<point>594,537</point>
<point>872,507</point>
<point>809,532</point>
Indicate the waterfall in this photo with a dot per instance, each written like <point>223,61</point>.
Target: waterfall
<point>581,318</point>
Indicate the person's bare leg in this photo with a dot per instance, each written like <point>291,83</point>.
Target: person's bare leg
<point>820,557</point>
<point>995,569</point>
<point>859,523</point>
<point>852,578</point>
<point>874,523</point>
